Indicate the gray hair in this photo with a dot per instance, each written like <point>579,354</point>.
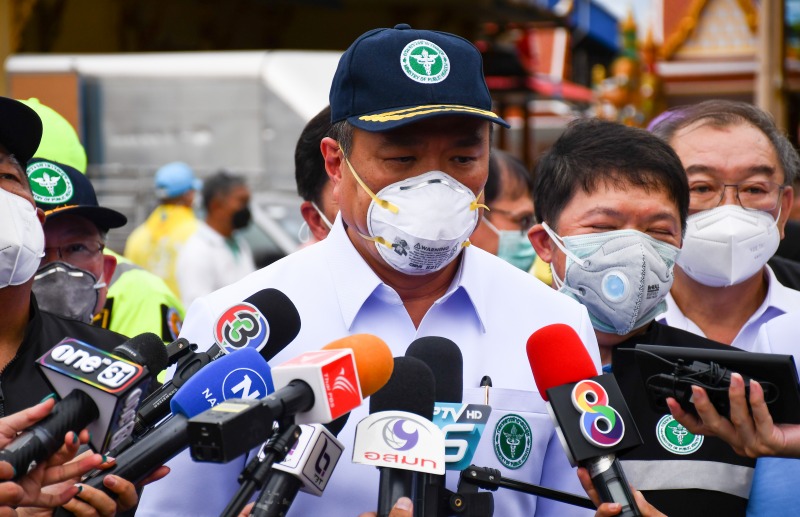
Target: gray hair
<point>724,113</point>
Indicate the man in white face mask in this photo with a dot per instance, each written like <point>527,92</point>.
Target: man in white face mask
<point>740,170</point>
<point>407,158</point>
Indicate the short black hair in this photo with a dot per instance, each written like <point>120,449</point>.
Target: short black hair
<point>724,113</point>
<point>309,165</point>
<point>592,152</point>
<point>507,172</point>
<point>220,184</point>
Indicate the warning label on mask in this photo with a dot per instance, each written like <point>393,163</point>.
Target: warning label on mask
<point>427,258</point>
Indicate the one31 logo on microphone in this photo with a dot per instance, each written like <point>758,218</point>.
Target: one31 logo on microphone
<point>600,423</point>
<point>240,326</point>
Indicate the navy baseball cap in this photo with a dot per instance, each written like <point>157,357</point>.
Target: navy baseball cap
<point>20,129</point>
<point>60,189</point>
<point>392,77</point>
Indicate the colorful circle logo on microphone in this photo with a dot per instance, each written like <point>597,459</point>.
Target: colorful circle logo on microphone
<point>396,435</point>
<point>241,326</point>
<point>600,423</point>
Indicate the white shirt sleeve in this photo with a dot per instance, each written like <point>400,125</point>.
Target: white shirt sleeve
<point>194,272</point>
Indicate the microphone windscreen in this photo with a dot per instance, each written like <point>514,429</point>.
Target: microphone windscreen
<point>282,316</point>
<point>337,425</point>
<point>444,359</point>
<point>222,379</point>
<point>557,356</point>
<point>145,349</point>
<point>374,361</point>
<point>411,388</point>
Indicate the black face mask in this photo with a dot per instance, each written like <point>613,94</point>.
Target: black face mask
<point>241,218</point>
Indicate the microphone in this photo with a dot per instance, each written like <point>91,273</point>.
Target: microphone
<point>307,467</point>
<point>315,387</point>
<point>398,436</point>
<point>444,359</point>
<point>94,386</point>
<point>243,374</point>
<point>590,415</point>
<point>266,321</point>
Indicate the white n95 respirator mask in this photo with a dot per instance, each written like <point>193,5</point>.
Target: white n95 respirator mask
<point>420,224</point>
<point>727,245</point>
<point>21,240</point>
<point>622,277</point>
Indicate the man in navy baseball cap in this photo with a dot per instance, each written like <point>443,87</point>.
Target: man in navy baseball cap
<point>408,157</point>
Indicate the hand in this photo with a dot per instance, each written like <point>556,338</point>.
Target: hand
<point>609,509</point>
<point>402,508</point>
<point>750,435</point>
<point>27,491</point>
<point>92,502</point>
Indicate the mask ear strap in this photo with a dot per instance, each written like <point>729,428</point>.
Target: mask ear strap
<point>322,216</point>
<point>559,242</point>
<point>489,225</point>
<point>476,205</point>
<point>381,202</point>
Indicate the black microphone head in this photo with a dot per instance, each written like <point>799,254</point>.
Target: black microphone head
<point>266,320</point>
<point>337,425</point>
<point>444,359</point>
<point>145,349</point>
<point>411,388</point>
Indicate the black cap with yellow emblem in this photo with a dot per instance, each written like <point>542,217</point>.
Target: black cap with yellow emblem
<point>60,189</point>
<point>392,77</point>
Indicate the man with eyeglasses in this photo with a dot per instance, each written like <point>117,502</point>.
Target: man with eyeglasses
<point>740,169</point>
<point>503,229</point>
<point>72,280</point>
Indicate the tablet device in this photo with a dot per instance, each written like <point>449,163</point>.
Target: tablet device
<point>670,371</point>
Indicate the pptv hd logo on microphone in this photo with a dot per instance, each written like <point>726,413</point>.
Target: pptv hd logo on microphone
<point>600,423</point>
<point>399,440</point>
<point>241,326</point>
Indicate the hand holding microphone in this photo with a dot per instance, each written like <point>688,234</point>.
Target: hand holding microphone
<point>612,509</point>
<point>588,411</point>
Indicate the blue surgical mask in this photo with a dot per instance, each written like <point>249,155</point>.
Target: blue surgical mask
<point>513,246</point>
<point>622,277</point>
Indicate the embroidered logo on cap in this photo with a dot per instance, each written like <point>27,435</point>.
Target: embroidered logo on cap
<point>512,441</point>
<point>675,438</point>
<point>424,62</point>
<point>49,183</point>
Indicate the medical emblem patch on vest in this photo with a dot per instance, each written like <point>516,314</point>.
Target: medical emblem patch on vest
<point>49,183</point>
<point>675,438</point>
<point>424,62</point>
<point>512,441</point>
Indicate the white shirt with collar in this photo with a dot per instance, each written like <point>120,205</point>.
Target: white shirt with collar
<point>206,263</point>
<point>490,310</point>
<point>779,300</point>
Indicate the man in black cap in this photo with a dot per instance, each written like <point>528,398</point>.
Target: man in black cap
<point>72,280</point>
<point>26,331</point>
<point>408,157</point>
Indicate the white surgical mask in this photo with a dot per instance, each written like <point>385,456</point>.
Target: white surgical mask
<point>420,224</point>
<point>621,277</point>
<point>21,239</point>
<point>727,245</point>
<point>513,246</point>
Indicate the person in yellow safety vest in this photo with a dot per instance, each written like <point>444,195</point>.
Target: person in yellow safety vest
<point>124,311</point>
<point>155,245</point>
